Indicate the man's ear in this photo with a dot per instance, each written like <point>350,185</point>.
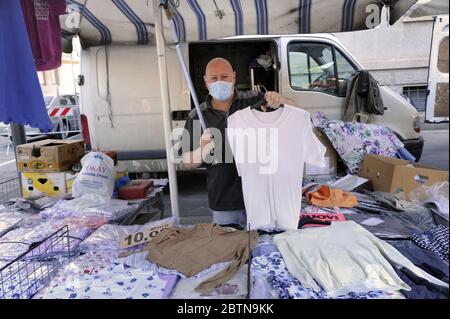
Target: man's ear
<point>206,83</point>
<point>234,77</point>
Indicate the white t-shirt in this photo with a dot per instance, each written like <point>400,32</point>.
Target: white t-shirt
<point>270,150</point>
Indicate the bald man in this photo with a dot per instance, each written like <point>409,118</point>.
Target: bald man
<point>223,183</point>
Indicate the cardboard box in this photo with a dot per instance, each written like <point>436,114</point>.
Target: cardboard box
<point>395,176</point>
<point>121,171</point>
<point>47,184</point>
<point>330,158</point>
<point>49,156</point>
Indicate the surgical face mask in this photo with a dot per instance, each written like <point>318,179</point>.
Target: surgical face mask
<point>221,90</point>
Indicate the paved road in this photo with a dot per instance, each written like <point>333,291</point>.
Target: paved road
<point>7,160</point>
<point>435,151</point>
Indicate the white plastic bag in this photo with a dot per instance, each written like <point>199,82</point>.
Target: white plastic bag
<point>436,193</point>
<point>96,177</point>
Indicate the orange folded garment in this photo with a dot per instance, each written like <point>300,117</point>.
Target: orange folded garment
<point>326,196</point>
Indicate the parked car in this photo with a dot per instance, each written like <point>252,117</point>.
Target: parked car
<point>64,112</point>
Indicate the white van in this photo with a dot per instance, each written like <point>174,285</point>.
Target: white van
<point>437,109</point>
<point>121,93</point>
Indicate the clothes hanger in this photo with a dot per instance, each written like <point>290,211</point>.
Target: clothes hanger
<point>261,103</point>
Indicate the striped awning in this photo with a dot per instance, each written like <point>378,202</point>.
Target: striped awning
<point>426,8</point>
<point>100,22</point>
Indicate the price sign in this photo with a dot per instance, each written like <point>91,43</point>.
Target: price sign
<point>145,234</point>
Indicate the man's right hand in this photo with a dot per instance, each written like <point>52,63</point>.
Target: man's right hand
<point>206,144</point>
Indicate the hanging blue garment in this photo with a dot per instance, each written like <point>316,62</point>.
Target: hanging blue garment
<point>21,99</point>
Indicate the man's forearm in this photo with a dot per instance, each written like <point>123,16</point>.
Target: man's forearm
<point>192,160</point>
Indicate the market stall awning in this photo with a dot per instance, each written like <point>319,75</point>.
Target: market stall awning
<point>425,8</point>
<point>100,22</point>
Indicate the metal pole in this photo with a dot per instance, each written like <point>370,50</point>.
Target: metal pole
<point>164,86</point>
<point>18,134</point>
<point>18,137</point>
<point>169,15</point>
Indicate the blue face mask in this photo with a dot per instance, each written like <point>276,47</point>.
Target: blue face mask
<point>221,90</point>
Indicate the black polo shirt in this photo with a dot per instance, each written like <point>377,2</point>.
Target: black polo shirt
<point>223,183</point>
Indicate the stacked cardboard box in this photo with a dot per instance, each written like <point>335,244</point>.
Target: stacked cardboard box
<point>45,166</point>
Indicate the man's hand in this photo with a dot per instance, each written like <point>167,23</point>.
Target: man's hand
<point>206,144</point>
<point>274,99</point>
<point>194,159</point>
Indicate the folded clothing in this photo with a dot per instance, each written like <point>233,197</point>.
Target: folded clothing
<point>22,280</point>
<point>325,196</point>
<point>427,261</point>
<point>436,239</point>
<point>399,219</point>
<point>234,288</point>
<point>18,241</point>
<point>90,205</point>
<point>113,282</point>
<point>281,284</point>
<point>65,243</point>
<point>190,250</point>
<point>140,261</point>
<point>8,222</point>
<point>343,258</point>
<point>319,220</point>
<point>108,237</point>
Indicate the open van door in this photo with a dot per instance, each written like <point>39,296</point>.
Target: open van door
<point>437,101</point>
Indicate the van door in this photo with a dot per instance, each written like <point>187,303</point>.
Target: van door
<point>314,75</point>
<point>437,100</point>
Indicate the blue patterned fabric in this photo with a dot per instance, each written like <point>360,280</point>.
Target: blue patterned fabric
<point>22,280</point>
<point>112,282</point>
<point>21,99</point>
<point>353,140</point>
<point>435,239</point>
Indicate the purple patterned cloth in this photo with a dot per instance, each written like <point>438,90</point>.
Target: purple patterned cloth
<point>21,99</point>
<point>44,31</point>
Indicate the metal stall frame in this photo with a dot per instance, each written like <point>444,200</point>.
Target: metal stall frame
<point>165,99</point>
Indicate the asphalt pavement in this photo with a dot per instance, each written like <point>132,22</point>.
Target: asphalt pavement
<point>435,149</point>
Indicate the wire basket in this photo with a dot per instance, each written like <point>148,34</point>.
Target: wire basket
<point>27,274</point>
<point>9,188</point>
